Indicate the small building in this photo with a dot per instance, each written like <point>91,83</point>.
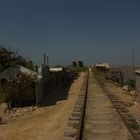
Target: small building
<point>51,69</point>
<point>15,71</point>
<point>56,69</point>
<point>102,67</point>
<point>137,72</point>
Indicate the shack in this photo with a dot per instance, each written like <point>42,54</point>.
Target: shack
<point>14,72</point>
<point>102,67</point>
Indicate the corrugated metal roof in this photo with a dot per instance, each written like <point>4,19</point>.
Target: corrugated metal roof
<point>12,71</point>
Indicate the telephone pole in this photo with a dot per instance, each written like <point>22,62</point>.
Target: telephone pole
<point>133,60</point>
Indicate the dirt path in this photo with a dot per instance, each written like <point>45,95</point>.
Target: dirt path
<point>45,123</point>
<point>102,121</point>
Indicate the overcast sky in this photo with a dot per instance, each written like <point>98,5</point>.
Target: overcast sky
<point>89,30</point>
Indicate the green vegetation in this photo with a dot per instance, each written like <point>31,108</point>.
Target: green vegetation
<point>99,74</point>
<point>4,96</point>
<point>10,58</point>
<point>112,76</point>
<point>133,124</point>
<point>79,66</point>
<point>19,92</point>
<point>131,84</point>
<point>16,91</point>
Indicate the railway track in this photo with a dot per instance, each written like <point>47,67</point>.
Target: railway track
<point>99,115</point>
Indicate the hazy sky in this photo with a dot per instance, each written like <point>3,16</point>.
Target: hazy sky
<point>88,30</point>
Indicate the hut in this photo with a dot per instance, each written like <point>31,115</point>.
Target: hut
<point>102,67</point>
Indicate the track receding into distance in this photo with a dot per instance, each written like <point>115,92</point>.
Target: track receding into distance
<point>102,121</point>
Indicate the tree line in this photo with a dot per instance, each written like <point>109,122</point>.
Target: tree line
<point>78,66</point>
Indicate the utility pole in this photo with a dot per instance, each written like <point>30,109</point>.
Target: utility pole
<point>48,60</point>
<point>133,60</point>
<point>44,59</point>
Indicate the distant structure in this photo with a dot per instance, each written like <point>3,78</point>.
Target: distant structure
<point>56,69</point>
<point>102,67</point>
<point>51,69</point>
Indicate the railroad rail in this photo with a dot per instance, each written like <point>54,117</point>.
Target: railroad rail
<point>127,118</point>
<point>99,115</point>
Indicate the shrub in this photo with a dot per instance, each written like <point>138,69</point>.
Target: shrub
<point>131,83</point>
<point>19,92</point>
<point>4,97</point>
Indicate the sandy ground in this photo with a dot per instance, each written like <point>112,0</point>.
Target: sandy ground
<point>46,123</point>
